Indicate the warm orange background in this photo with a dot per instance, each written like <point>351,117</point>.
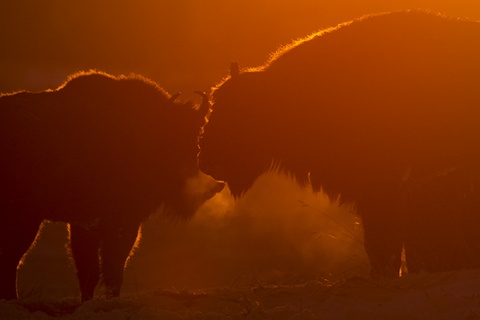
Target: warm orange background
<point>185,45</point>
<point>188,45</point>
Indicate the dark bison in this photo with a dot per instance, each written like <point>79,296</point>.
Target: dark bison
<point>100,153</point>
<point>383,111</point>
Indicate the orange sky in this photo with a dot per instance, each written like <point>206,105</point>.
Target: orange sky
<point>184,45</point>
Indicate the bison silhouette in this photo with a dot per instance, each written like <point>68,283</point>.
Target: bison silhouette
<point>100,153</point>
<point>383,112</point>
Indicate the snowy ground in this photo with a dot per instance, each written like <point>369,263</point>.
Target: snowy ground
<point>279,253</point>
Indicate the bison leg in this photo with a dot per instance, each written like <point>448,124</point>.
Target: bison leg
<point>383,239</point>
<point>84,244</point>
<point>384,251</point>
<point>16,236</point>
<point>114,251</point>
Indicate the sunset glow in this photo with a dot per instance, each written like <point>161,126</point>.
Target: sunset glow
<point>182,45</point>
<point>260,147</point>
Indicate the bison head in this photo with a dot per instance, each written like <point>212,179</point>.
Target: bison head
<point>151,137</point>
<point>235,142</point>
<point>187,188</point>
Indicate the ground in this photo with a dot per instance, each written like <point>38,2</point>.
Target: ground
<point>278,253</point>
<point>453,295</point>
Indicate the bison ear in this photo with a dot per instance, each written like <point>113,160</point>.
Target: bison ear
<point>205,105</point>
<point>234,69</point>
<point>174,97</point>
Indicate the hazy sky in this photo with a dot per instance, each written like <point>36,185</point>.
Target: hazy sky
<point>183,44</point>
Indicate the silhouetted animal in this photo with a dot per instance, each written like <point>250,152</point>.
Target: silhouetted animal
<point>100,153</point>
<point>384,111</point>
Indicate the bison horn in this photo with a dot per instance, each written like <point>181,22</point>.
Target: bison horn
<point>174,97</point>
<point>234,69</point>
<point>205,106</point>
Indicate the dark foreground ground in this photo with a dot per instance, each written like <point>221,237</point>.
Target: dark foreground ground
<point>454,295</point>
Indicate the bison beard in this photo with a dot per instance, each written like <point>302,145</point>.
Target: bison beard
<point>383,111</point>
<point>100,153</point>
